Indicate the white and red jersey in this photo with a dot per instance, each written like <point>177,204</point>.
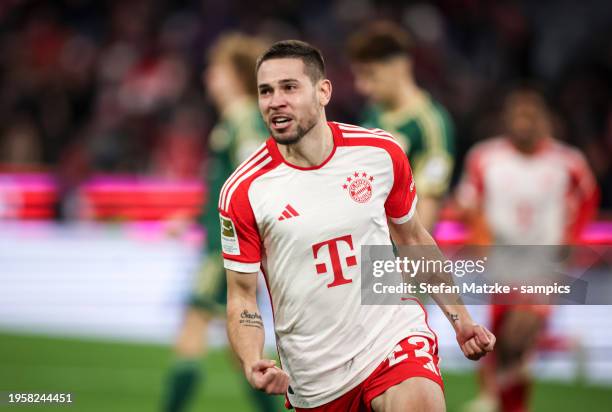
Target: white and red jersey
<point>542,198</point>
<point>305,227</point>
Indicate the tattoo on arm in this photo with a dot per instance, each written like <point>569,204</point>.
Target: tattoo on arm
<point>453,317</point>
<point>251,319</point>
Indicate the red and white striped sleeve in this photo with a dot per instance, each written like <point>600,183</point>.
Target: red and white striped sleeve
<point>240,240</point>
<point>402,199</point>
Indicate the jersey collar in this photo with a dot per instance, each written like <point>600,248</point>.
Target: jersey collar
<point>276,154</point>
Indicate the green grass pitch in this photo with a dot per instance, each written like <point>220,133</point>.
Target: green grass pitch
<point>121,377</point>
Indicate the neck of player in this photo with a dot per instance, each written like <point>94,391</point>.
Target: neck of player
<point>408,93</point>
<point>229,102</point>
<point>313,148</point>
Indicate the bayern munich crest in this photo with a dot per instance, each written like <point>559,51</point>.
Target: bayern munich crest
<point>359,186</point>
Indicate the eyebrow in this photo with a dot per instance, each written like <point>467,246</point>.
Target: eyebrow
<point>281,82</point>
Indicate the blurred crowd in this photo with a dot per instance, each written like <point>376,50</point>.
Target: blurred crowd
<point>116,86</point>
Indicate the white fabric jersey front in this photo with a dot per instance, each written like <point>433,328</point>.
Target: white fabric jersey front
<point>305,227</point>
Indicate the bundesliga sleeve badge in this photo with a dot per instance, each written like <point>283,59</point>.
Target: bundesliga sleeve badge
<point>229,240</point>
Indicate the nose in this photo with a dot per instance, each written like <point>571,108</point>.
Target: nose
<point>277,99</point>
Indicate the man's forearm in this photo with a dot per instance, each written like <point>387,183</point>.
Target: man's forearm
<point>474,340</point>
<point>456,314</point>
<point>245,330</point>
<point>428,209</point>
<point>451,304</point>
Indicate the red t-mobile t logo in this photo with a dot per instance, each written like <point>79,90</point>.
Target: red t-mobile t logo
<point>332,246</point>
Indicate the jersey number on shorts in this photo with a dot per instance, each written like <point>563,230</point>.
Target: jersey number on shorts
<point>421,350</point>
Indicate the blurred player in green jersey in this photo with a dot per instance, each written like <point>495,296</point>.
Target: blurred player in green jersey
<point>382,65</point>
<point>229,81</point>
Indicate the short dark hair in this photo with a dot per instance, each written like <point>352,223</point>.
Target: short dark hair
<point>379,41</point>
<point>314,65</point>
<point>526,94</point>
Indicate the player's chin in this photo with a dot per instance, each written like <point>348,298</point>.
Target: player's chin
<point>286,137</point>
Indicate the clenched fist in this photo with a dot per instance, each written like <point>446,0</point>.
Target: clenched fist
<point>475,340</point>
<point>263,375</point>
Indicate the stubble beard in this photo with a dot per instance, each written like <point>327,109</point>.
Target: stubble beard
<point>301,131</point>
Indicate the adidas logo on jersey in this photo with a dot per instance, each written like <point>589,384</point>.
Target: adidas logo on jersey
<point>288,213</point>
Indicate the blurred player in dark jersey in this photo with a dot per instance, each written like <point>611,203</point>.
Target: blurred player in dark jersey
<point>522,188</point>
<point>382,65</point>
<point>229,81</point>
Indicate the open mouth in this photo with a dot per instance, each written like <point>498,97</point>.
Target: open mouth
<point>280,122</point>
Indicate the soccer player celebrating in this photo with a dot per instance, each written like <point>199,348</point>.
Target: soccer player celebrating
<point>522,188</point>
<point>382,67</point>
<point>230,83</point>
<point>300,208</point>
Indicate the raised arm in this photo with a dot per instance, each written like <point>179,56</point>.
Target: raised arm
<point>475,340</point>
<point>245,330</point>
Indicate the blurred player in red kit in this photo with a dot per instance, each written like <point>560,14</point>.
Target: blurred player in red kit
<point>300,208</point>
<point>522,188</point>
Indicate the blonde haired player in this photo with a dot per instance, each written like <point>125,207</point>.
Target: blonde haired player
<point>229,81</point>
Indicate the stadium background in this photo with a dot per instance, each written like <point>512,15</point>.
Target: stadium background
<point>103,127</point>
